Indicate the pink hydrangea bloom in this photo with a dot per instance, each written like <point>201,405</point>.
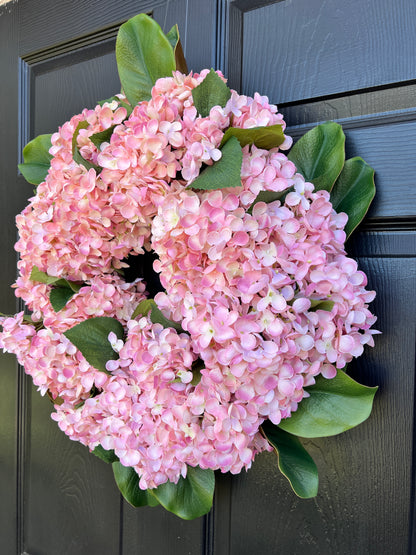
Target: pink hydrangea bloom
<point>245,285</point>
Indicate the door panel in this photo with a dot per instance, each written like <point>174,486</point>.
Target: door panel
<point>350,61</point>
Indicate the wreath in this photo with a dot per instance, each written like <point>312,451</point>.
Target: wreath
<point>191,300</point>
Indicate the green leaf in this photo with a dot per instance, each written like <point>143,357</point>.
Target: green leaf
<point>42,277</point>
<point>263,137</point>
<point>106,455</point>
<point>211,92</point>
<point>144,55</point>
<point>191,497</point>
<point>224,173</point>
<point>76,155</point>
<point>156,315</point>
<point>62,290</point>
<point>175,42</point>
<point>102,136</point>
<point>319,155</point>
<point>37,159</point>
<point>334,406</point>
<point>294,461</point>
<point>91,338</point>
<point>59,296</point>
<point>127,481</point>
<point>354,191</point>
<point>316,304</point>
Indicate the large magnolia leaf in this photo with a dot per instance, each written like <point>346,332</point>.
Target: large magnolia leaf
<point>144,55</point>
<point>37,159</point>
<point>224,173</point>
<point>91,338</point>
<point>354,191</point>
<point>127,481</point>
<point>294,461</point>
<point>191,497</point>
<point>211,92</point>
<point>334,406</point>
<point>263,137</point>
<point>175,42</point>
<point>319,155</point>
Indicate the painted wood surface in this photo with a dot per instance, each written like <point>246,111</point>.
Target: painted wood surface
<point>351,61</point>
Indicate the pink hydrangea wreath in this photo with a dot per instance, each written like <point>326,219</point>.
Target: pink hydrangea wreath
<point>261,296</point>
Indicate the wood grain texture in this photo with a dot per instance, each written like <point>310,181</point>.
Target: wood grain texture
<point>394,98</point>
<point>156,531</point>
<point>320,47</point>
<point>72,503</point>
<point>9,201</point>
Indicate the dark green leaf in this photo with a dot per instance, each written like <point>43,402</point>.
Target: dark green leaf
<point>191,497</point>
<point>224,173</point>
<point>294,461</point>
<point>334,406</point>
<point>211,92</point>
<point>144,55</point>
<point>91,338</point>
<point>175,42</point>
<point>354,191</point>
<point>156,315</point>
<point>59,296</point>
<point>37,159</point>
<point>102,137</point>
<point>127,481</point>
<point>319,155</point>
<point>321,305</point>
<point>263,137</point>
<point>105,455</point>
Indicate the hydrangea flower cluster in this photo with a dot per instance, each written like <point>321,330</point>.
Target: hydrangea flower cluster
<point>264,293</point>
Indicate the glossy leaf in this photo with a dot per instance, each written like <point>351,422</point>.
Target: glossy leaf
<point>91,338</point>
<point>211,92</point>
<point>191,497</point>
<point>294,461</point>
<point>127,481</point>
<point>354,191</point>
<point>263,137</point>
<point>224,173</point>
<point>156,315</point>
<point>36,159</point>
<point>334,406</point>
<point>106,455</point>
<point>144,55</point>
<point>175,42</point>
<point>319,155</point>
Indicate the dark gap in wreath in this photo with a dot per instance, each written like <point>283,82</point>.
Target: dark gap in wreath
<point>141,266</point>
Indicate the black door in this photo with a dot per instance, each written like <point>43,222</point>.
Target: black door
<point>348,60</point>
